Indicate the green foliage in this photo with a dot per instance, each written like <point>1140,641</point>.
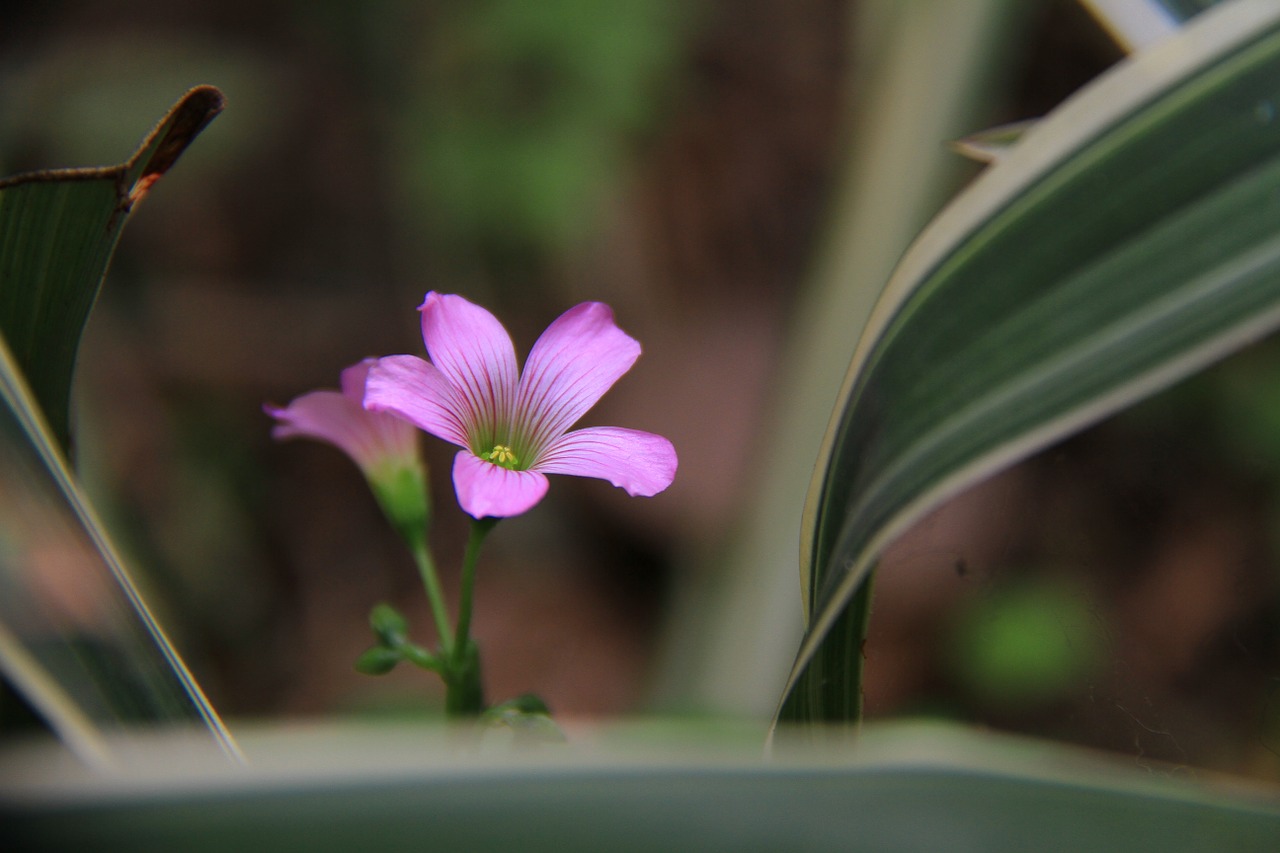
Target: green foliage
<point>1126,241</point>
<point>110,664</point>
<point>57,233</point>
<point>378,660</point>
<point>1026,645</point>
<point>390,626</point>
<point>527,718</point>
<point>907,788</point>
<point>521,111</point>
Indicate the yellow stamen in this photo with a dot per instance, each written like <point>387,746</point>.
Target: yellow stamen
<point>502,455</point>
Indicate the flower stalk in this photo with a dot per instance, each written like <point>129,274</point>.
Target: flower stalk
<point>435,595</point>
<point>479,530</point>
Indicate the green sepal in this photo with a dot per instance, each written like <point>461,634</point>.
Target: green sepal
<point>402,493</point>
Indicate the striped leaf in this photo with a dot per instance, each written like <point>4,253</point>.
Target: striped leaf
<point>76,637</point>
<point>1129,239</point>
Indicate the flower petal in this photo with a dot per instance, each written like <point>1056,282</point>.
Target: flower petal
<point>488,490</point>
<point>353,379</point>
<point>573,363</point>
<point>472,349</point>
<point>324,415</point>
<point>369,438</point>
<point>640,462</point>
<point>394,436</point>
<point>415,390</point>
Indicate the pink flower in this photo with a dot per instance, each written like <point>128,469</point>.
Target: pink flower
<point>384,446</point>
<point>513,427</point>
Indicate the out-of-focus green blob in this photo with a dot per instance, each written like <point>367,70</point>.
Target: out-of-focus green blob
<point>1027,644</point>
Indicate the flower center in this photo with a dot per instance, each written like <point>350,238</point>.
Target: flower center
<point>502,455</point>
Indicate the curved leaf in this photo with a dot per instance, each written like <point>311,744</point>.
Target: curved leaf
<point>905,788</point>
<point>58,230</point>
<point>75,634</point>
<point>1131,238</point>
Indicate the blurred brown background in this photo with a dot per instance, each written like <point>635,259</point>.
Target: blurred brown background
<point>681,162</point>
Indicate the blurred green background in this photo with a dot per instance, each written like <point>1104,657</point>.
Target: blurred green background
<point>681,161</point>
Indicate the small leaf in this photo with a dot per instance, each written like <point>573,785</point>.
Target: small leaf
<point>526,703</point>
<point>527,717</point>
<point>378,660</point>
<point>390,626</point>
<point>988,146</point>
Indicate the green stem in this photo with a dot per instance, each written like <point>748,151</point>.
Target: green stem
<point>419,656</point>
<point>430,580</point>
<point>464,687</point>
<point>462,640</point>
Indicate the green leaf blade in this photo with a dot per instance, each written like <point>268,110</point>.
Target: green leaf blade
<point>76,635</point>
<point>58,231</point>
<point>905,788</point>
<point>56,235</point>
<point>1103,272</point>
